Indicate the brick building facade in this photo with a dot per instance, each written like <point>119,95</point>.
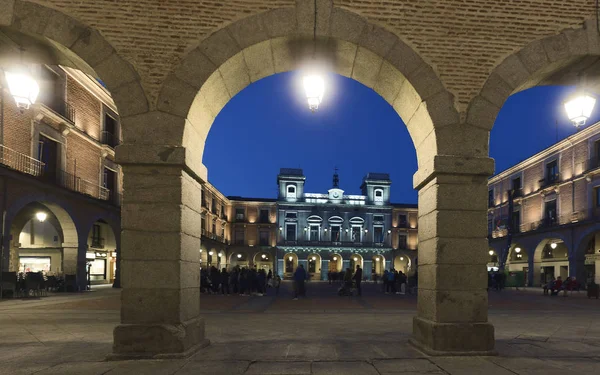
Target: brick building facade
<point>57,158</point>
<point>554,215</point>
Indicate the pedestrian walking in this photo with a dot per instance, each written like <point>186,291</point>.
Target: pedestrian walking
<point>357,279</point>
<point>299,279</point>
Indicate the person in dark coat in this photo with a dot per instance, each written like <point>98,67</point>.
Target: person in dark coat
<point>299,279</point>
<point>358,278</point>
<point>224,281</point>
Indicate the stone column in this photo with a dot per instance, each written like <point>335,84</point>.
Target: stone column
<point>452,300</point>
<point>74,261</point>
<point>160,259</point>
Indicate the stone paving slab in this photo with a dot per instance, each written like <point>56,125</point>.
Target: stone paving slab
<point>279,368</point>
<point>343,368</point>
<point>402,366</point>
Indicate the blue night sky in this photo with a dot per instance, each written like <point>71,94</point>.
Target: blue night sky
<point>354,130</point>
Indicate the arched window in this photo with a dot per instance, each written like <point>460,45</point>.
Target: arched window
<point>291,191</point>
<point>378,195</point>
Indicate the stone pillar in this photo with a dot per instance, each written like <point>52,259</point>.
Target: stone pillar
<point>74,261</point>
<point>160,260</point>
<point>452,306</point>
<point>367,269</point>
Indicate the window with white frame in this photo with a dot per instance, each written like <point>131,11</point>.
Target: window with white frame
<point>290,232</point>
<point>314,232</point>
<point>291,191</point>
<point>378,195</point>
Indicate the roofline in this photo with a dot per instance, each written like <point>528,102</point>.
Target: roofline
<point>559,146</point>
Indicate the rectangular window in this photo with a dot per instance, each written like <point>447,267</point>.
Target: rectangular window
<point>223,232</point>
<point>239,214</point>
<point>264,216</point>
<point>552,171</point>
<point>402,243</point>
<point>239,237</point>
<point>378,218</point>
<point>96,236</point>
<point>550,212</point>
<point>402,221</point>
<point>516,221</point>
<point>34,264</point>
<point>213,208</point>
<point>49,154</point>
<point>203,224</point>
<point>597,194</point>
<point>290,232</point>
<point>491,198</point>
<point>264,238</point>
<point>291,215</point>
<point>516,187</point>
<point>336,233</point>
<point>378,234</point>
<point>214,228</point>
<point>314,232</point>
<point>110,130</point>
<point>356,234</point>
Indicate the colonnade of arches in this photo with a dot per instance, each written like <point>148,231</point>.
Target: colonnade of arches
<point>63,239</point>
<point>164,131</point>
<point>573,253</point>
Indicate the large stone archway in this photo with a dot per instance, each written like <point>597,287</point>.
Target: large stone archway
<point>162,161</point>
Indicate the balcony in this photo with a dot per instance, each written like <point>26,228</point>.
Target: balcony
<point>109,139</point>
<point>56,110</point>
<point>20,162</point>
<point>549,181</point>
<point>333,243</point>
<point>78,184</point>
<point>97,243</point>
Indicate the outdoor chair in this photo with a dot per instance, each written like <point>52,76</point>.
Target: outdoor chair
<point>9,282</point>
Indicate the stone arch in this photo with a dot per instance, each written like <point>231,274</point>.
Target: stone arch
<point>278,41</point>
<point>540,264</point>
<point>75,44</point>
<point>537,63</point>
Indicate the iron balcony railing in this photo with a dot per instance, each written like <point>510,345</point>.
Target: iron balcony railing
<point>334,243</point>
<point>26,164</point>
<point>97,243</point>
<point>62,108</point>
<point>110,139</point>
<point>78,184</point>
<point>20,162</point>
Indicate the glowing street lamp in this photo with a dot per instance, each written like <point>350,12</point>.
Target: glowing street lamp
<point>290,259</point>
<point>263,256</point>
<point>553,245</point>
<point>22,86</point>
<point>579,108</point>
<point>41,216</point>
<point>314,86</point>
<point>491,252</point>
<point>517,250</point>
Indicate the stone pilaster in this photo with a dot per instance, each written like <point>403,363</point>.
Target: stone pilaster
<point>367,269</point>
<point>160,264</point>
<point>452,298</point>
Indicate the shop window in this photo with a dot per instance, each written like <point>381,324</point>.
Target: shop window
<point>98,268</point>
<point>34,264</point>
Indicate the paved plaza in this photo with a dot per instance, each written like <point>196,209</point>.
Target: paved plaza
<point>322,334</point>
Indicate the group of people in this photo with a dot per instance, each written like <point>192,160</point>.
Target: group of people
<point>554,286</point>
<point>394,282</point>
<point>496,281</point>
<point>243,281</point>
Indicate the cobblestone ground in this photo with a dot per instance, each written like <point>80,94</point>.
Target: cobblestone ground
<point>322,334</point>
